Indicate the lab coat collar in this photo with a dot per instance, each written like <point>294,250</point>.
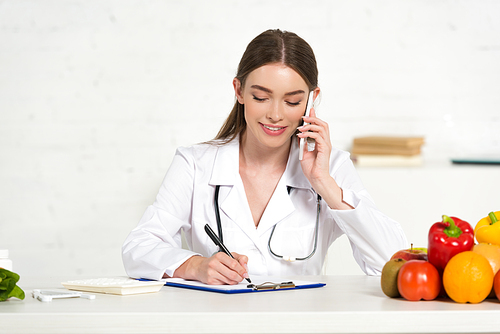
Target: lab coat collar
<point>226,166</point>
<point>234,202</point>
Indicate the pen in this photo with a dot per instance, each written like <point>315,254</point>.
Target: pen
<point>217,241</point>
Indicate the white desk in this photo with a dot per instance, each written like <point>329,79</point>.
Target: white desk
<point>348,304</point>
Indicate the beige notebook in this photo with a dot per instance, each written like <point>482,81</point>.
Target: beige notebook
<point>114,285</point>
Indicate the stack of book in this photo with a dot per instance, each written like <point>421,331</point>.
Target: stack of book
<point>387,151</point>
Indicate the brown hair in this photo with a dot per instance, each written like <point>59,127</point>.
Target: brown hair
<point>271,46</point>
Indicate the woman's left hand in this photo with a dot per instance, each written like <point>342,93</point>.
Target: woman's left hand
<point>316,164</point>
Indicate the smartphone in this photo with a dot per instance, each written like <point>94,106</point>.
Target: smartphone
<point>310,100</point>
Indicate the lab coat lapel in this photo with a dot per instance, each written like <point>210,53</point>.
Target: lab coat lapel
<point>294,174</point>
<point>235,206</point>
<point>232,198</point>
<point>280,206</point>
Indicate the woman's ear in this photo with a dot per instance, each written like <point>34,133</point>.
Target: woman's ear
<point>238,90</point>
<point>316,93</point>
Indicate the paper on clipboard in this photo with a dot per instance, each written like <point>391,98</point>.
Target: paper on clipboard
<point>242,287</point>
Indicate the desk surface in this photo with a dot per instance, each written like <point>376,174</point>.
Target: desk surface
<point>347,304</point>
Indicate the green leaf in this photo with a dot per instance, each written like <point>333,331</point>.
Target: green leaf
<point>17,292</point>
<point>3,295</point>
<point>4,285</point>
<point>8,287</point>
<point>9,274</point>
<point>9,284</point>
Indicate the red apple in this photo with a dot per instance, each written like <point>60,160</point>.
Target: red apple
<point>411,254</point>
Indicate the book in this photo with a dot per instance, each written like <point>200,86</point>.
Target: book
<point>385,149</point>
<point>389,141</point>
<point>375,160</point>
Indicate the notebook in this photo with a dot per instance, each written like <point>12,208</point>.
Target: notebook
<point>114,285</point>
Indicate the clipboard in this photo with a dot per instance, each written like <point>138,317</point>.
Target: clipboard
<point>260,284</point>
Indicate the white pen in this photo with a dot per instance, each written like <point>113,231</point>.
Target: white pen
<point>308,110</point>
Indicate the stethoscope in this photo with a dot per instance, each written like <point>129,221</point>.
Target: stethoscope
<point>283,257</point>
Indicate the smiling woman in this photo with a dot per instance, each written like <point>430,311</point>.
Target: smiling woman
<point>265,201</point>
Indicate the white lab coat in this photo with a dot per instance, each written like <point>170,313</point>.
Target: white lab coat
<point>185,202</point>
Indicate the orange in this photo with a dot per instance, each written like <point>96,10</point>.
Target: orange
<point>491,253</point>
<point>468,277</point>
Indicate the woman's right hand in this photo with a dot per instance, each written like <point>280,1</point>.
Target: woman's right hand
<point>216,270</point>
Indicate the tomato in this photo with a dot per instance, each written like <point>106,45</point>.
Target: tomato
<point>418,279</point>
<point>496,284</point>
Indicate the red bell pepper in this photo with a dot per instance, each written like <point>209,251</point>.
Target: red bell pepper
<point>448,238</point>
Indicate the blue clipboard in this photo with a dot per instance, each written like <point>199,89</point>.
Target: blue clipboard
<point>261,284</point>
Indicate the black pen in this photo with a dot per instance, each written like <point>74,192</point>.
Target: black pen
<point>219,243</point>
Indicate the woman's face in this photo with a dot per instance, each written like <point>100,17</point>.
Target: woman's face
<point>275,98</point>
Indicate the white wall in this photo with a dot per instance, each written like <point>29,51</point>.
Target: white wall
<point>95,95</point>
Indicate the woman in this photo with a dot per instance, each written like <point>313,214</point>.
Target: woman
<point>268,200</point>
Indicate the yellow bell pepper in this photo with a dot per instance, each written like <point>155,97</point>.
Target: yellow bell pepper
<point>488,229</point>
